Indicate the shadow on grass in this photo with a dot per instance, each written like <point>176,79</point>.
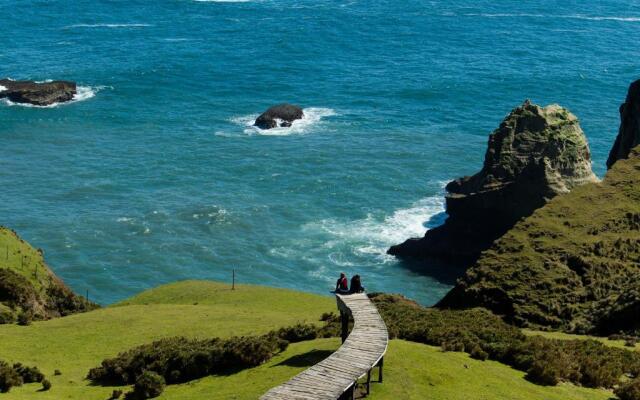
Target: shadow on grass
<point>307,359</point>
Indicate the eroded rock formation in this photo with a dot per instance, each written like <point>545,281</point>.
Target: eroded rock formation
<point>629,133</point>
<point>534,155</point>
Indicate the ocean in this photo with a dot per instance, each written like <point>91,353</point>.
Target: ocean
<point>154,173</point>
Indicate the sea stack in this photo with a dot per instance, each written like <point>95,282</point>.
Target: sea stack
<point>535,154</point>
<point>279,116</point>
<point>38,94</point>
<point>629,132</point>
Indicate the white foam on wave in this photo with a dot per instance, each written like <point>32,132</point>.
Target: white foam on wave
<point>312,116</point>
<point>2,88</point>
<point>373,235</point>
<point>82,93</point>
<point>108,26</point>
<point>571,16</point>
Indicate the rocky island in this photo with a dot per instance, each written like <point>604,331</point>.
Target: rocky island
<point>37,93</point>
<point>280,116</point>
<point>535,154</point>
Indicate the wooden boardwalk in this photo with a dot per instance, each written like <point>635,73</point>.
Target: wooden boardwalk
<point>336,375</point>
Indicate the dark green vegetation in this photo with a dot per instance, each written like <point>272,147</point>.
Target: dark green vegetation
<point>179,359</point>
<point>572,265</point>
<point>483,335</point>
<point>18,374</point>
<point>28,288</point>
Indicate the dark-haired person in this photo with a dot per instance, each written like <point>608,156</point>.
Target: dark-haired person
<point>356,285</point>
<point>342,285</point>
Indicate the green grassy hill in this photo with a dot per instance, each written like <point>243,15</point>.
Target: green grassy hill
<point>76,343</point>
<point>28,286</point>
<point>572,265</point>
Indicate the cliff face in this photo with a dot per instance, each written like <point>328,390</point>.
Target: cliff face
<point>629,133</point>
<point>29,287</point>
<point>572,265</point>
<point>535,154</point>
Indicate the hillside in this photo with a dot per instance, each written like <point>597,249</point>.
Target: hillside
<point>206,309</point>
<point>572,265</point>
<point>28,287</point>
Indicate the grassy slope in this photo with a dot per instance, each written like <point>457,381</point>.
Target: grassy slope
<point>566,265</point>
<point>18,255</point>
<point>76,343</point>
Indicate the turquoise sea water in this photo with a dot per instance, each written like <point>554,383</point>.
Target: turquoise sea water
<point>154,176</point>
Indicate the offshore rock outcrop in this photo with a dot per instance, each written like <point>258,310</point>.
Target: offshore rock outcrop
<point>534,155</point>
<point>279,116</point>
<point>35,93</point>
<point>629,133</point>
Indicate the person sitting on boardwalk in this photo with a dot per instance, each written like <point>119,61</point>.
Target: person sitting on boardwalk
<point>342,284</point>
<point>356,285</point>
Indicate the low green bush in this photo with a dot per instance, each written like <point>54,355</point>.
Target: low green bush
<point>180,359</point>
<point>28,374</point>
<point>148,385</point>
<point>46,385</point>
<point>298,333</point>
<point>8,377</point>
<point>629,390</point>
<point>16,375</point>
<point>486,336</point>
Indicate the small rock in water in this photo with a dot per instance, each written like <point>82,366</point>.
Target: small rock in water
<point>39,94</point>
<point>280,116</point>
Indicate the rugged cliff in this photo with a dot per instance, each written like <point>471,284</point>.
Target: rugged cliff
<point>629,133</point>
<point>572,265</point>
<point>28,288</point>
<point>535,154</point>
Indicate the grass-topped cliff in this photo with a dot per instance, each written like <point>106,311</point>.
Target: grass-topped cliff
<point>77,343</point>
<point>573,265</point>
<point>28,288</point>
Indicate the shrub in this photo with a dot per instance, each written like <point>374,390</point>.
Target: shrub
<point>479,354</point>
<point>46,385</point>
<point>25,318</point>
<point>485,336</point>
<point>629,390</point>
<point>180,360</point>
<point>298,333</point>
<point>148,385</point>
<point>8,377</point>
<point>116,394</point>
<point>57,372</point>
<point>28,374</point>
<point>7,317</point>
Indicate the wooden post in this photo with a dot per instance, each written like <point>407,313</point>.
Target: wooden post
<point>344,317</point>
<point>368,382</point>
<point>380,365</point>
<point>233,282</point>
<point>87,295</point>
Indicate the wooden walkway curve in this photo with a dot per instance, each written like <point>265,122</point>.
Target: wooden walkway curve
<point>337,374</point>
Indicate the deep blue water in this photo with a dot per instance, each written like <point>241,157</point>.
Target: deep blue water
<point>156,178</point>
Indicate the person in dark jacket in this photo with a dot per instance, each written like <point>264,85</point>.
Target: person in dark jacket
<point>342,284</point>
<point>356,285</point>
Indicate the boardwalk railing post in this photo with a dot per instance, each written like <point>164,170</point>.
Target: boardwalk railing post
<point>368,382</point>
<point>345,325</point>
<point>380,366</point>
